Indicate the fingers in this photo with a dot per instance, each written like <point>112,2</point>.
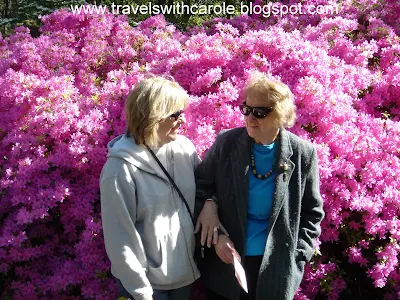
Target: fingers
<point>207,221</point>
<point>229,257</point>
<point>239,258</point>
<point>207,234</point>
<point>235,253</point>
<point>215,236</point>
<point>225,250</point>
<point>225,255</point>
<point>232,251</point>
<point>204,233</point>
<point>210,236</point>
<point>230,247</point>
<point>197,227</point>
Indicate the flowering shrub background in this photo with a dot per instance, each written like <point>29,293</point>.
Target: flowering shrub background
<point>62,98</point>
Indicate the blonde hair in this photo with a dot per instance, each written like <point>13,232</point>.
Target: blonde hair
<point>260,87</point>
<point>152,100</point>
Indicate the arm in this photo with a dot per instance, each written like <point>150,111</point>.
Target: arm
<point>311,211</point>
<point>123,243</point>
<point>206,212</point>
<point>205,175</point>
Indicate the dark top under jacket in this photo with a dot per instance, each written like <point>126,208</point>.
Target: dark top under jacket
<point>296,212</point>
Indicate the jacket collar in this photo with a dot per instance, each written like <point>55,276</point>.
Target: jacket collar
<point>244,142</point>
<point>285,150</point>
<point>284,170</point>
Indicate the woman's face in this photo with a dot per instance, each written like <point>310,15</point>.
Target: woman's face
<point>168,128</point>
<point>261,129</point>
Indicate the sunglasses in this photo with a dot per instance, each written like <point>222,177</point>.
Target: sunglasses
<point>176,115</point>
<point>258,112</point>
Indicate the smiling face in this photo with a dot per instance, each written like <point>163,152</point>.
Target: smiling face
<point>260,91</point>
<point>168,129</point>
<point>153,111</point>
<point>265,130</point>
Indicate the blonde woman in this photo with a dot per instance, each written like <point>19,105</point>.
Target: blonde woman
<point>147,220</point>
<point>265,181</point>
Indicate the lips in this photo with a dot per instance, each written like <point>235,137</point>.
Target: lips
<point>174,129</point>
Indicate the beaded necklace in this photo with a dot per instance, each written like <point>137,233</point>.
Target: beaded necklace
<point>253,165</point>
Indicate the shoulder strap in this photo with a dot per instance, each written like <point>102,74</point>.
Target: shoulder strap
<point>172,182</point>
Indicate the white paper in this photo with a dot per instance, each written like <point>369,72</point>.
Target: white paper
<point>240,274</point>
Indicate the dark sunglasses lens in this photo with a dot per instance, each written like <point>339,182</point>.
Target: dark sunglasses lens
<point>176,115</point>
<point>259,113</point>
<point>245,110</point>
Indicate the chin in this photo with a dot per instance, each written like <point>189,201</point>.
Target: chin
<point>172,137</point>
<point>251,132</point>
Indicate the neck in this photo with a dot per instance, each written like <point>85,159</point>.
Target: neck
<point>271,136</point>
<point>160,143</point>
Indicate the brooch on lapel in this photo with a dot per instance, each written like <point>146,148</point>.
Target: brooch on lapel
<point>285,168</point>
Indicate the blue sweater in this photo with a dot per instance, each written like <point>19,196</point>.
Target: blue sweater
<point>260,199</point>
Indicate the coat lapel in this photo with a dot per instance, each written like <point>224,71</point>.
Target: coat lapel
<point>284,168</point>
<point>240,160</point>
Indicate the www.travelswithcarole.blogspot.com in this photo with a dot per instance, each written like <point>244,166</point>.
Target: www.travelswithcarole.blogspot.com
<point>267,10</point>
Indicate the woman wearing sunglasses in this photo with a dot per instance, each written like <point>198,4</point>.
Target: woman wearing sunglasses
<point>147,196</point>
<point>266,184</point>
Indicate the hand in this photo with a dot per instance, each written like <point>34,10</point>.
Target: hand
<point>225,250</point>
<point>209,222</point>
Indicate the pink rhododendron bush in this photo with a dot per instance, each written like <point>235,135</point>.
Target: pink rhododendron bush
<point>62,97</point>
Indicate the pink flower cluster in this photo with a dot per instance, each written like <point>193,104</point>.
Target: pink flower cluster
<point>62,96</point>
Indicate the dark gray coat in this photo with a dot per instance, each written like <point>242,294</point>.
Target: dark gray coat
<point>296,212</point>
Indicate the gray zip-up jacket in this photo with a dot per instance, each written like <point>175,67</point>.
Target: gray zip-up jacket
<point>147,229</point>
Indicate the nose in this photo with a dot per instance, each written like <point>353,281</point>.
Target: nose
<point>182,119</point>
<point>250,117</point>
